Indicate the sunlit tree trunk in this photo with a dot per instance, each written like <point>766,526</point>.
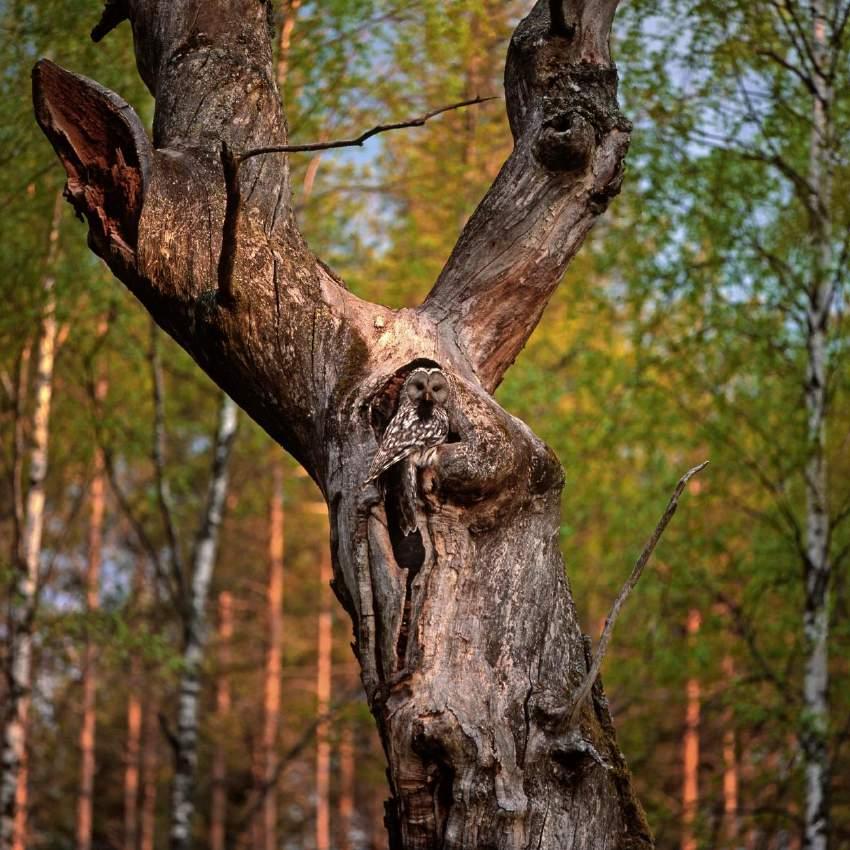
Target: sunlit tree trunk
<point>218,812</point>
<point>346,784</point>
<point>150,767</point>
<point>131,766</point>
<point>97,501</point>
<point>195,633</point>
<point>817,569</point>
<point>690,748</point>
<point>274,638</point>
<point>13,784</point>
<point>323,702</point>
<point>284,45</point>
<point>730,767</point>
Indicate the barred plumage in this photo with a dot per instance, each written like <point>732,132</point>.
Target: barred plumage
<point>420,423</point>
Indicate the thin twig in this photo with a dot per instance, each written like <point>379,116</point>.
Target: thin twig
<point>363,137</point>
<point>627,588</point>
<point>231,160</point>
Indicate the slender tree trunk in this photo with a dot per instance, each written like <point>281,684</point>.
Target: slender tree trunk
<point>815,719</point>
<point>150,766</point>
<point>218,813</point>
<point>690,749</point>
<point>347,783</point>
<point>271,690</point>
<point>290,14</point>
<point>131,766</point>
<point>730,768</point>
<point>97,500</point>
<point>323,702</point>
<point>195,637</point>
<point>13,790</point>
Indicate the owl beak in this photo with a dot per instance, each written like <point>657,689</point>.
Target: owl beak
<point>428,396</point>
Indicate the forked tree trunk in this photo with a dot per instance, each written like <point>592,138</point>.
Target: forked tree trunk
<point>468,640</point>
<point>23,595</point>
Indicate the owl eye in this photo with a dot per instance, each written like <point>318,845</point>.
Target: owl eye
<point>419,385</point>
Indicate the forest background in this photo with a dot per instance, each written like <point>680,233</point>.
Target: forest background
<point>679,334</point>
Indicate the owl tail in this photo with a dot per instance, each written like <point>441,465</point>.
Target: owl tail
<point>407,497</point>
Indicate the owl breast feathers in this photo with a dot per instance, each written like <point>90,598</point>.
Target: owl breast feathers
<point>406,434</point>
<point>420,422</point>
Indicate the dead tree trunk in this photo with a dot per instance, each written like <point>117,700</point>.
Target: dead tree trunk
<point>23,596</point>
<point>468,642</point>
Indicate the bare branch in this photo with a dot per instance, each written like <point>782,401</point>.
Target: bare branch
<point>626,590</point>
<point>363,137</point>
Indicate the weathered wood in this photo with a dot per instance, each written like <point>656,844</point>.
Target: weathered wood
<point>467,636</point>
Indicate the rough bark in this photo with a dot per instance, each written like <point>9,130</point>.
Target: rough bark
<point>195,636</point>
<point>814,728</point>
<point>23,596</point>
<point>468,640</point>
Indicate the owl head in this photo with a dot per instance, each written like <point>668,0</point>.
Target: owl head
<point>429,385</point>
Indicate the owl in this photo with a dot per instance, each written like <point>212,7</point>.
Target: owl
<point>420,425</point>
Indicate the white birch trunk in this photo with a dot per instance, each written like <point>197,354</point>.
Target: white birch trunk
<point>815,719</point>
<point>23,595</point>
<point>186,756</point>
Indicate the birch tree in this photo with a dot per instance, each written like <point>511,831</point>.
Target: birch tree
<point>24,593</point>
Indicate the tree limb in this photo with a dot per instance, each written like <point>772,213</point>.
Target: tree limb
<point>626,590</point>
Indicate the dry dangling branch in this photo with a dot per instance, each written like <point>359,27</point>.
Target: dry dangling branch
<point>626,590</point>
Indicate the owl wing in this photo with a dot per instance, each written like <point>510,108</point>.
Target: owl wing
<point>405,434</point>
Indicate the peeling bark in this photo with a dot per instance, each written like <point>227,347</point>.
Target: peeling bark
<point>467,638</point>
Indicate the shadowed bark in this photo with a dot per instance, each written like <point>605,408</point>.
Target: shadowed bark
<point>468,640</point>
